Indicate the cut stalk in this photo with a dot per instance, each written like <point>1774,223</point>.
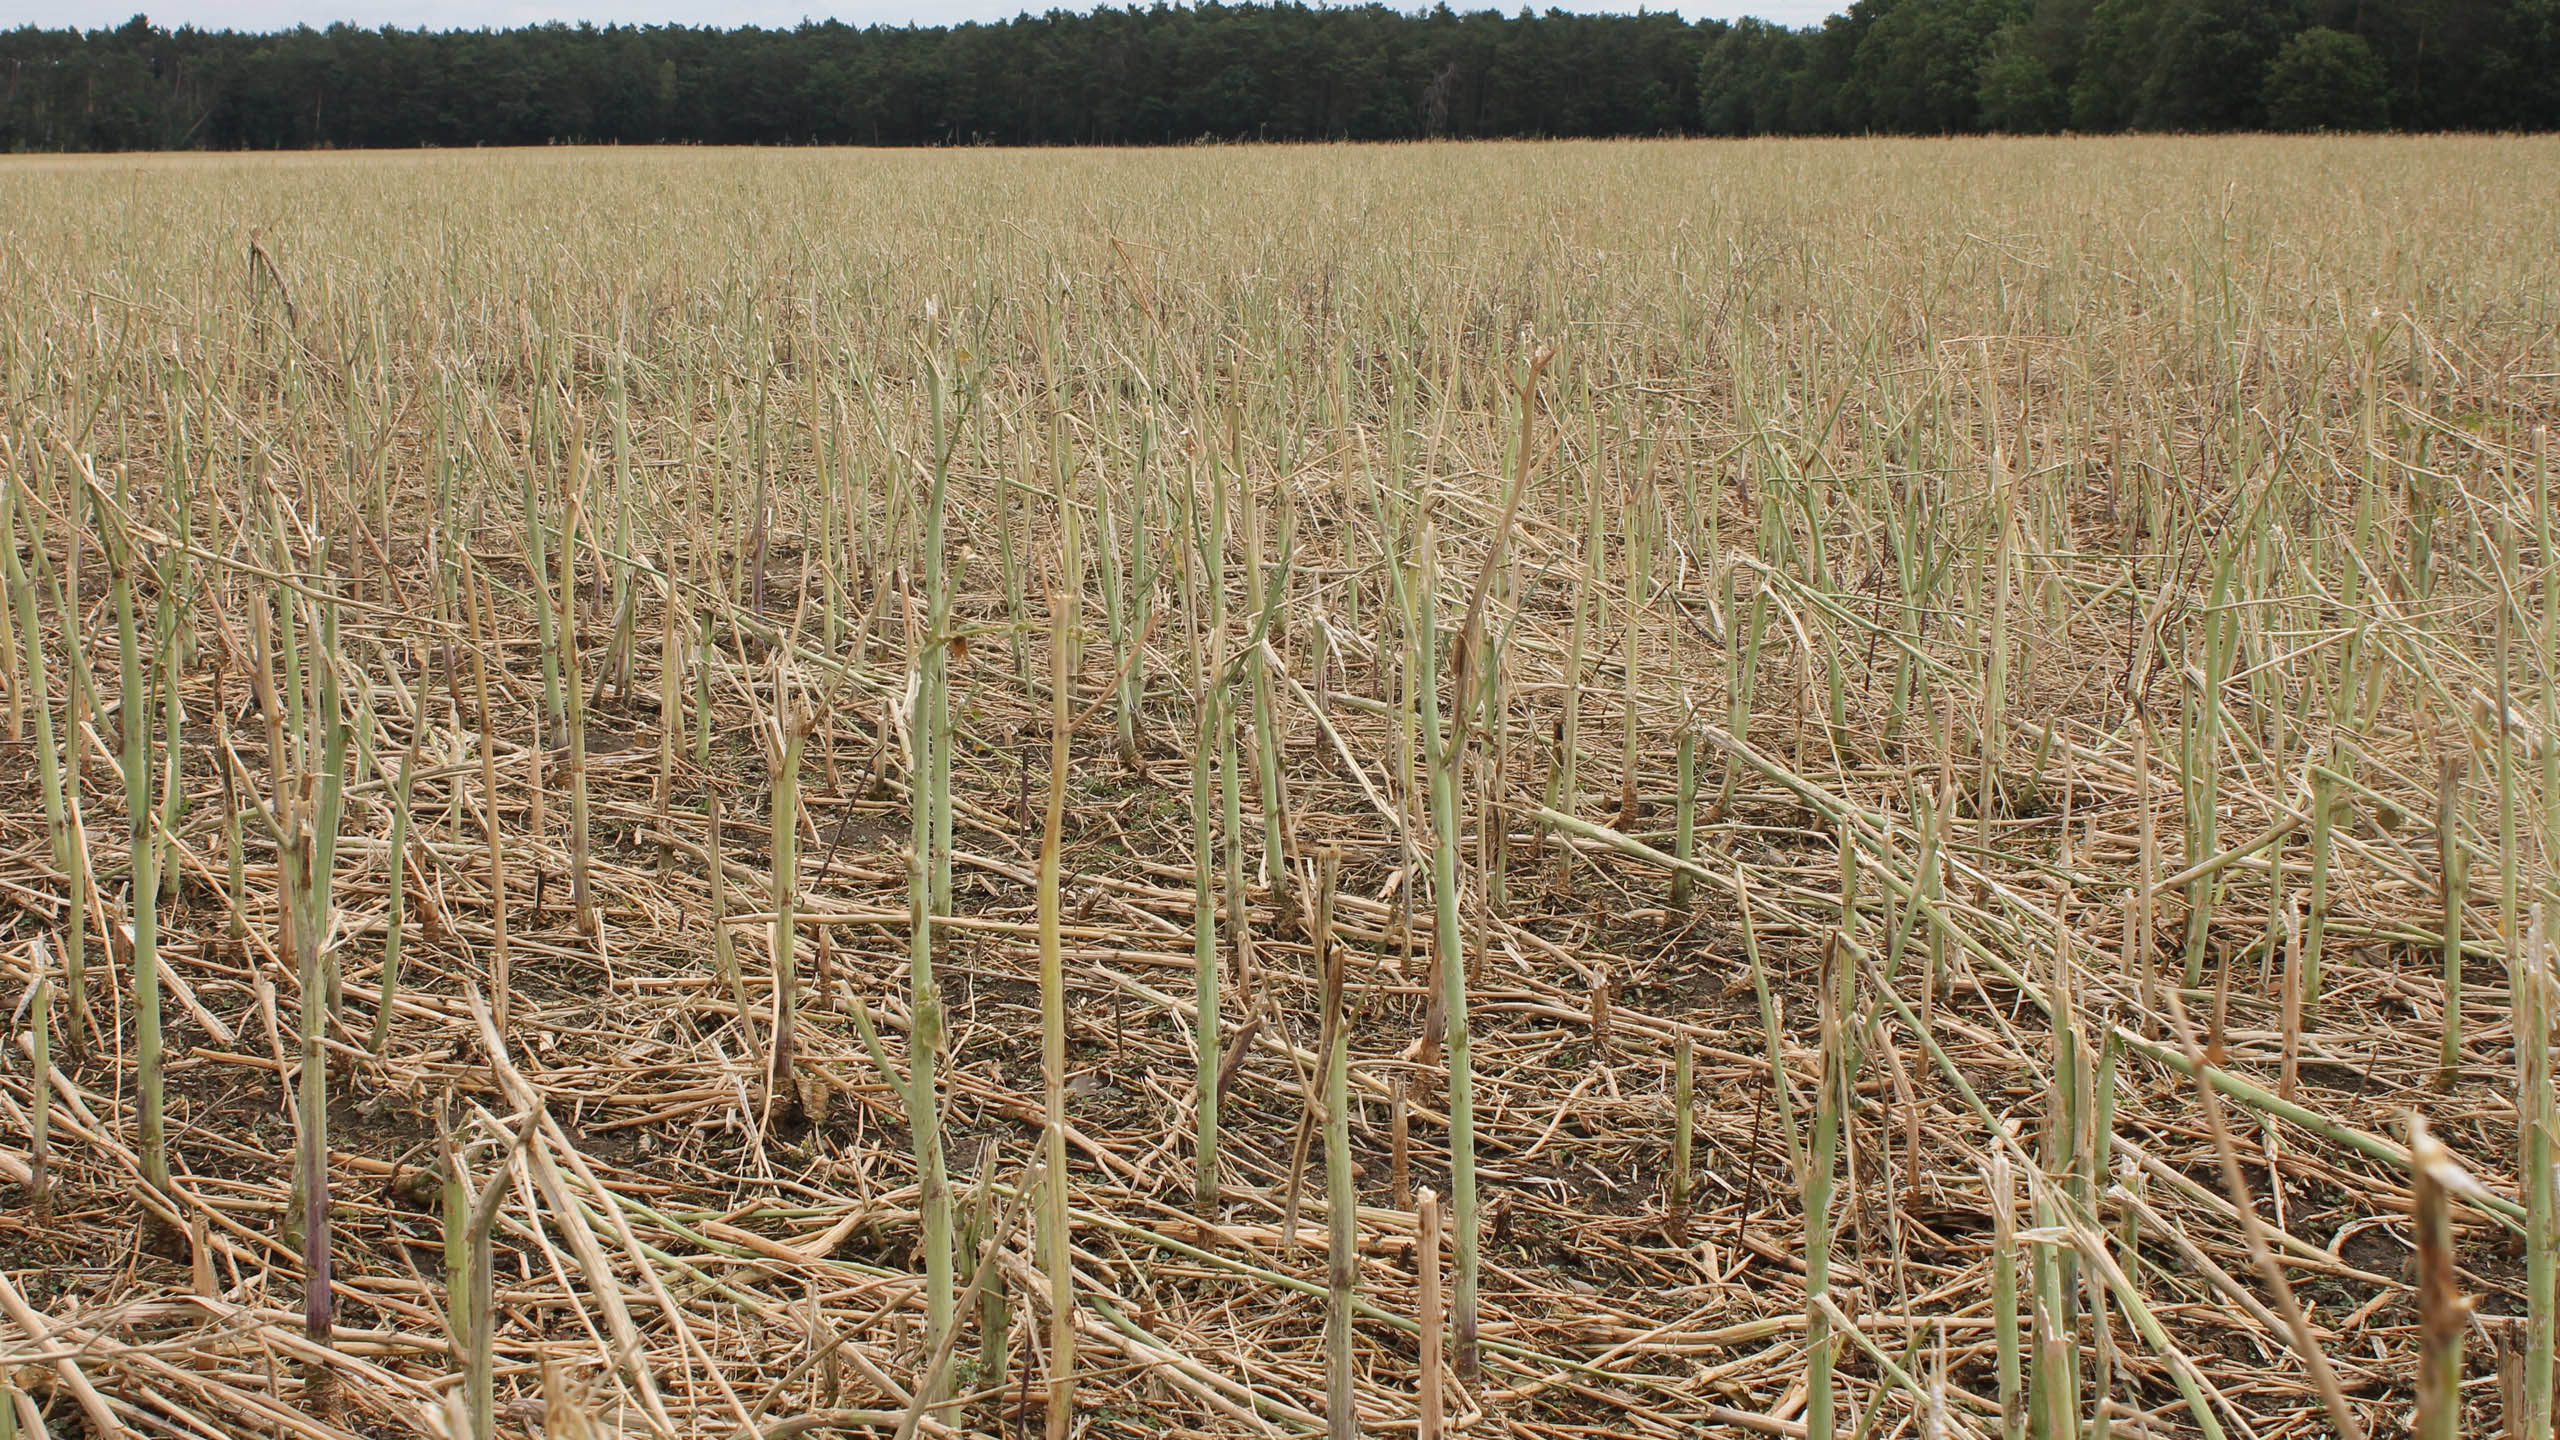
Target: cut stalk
<point>1448,954</point>
<point>934,696</point>
<point>2054,1387</point>
<point>995,1316</point>
<point>1773,1033</point>
<point>1342,1200</point>
<point>928,798</point>
<point>476,1309</point>
<point>395,924</point>
<point>1683,1123</point>
<point>50,768</point>
<point>1427,1308</point>
<point>1214,745</point>
<point>1816,1184</point>
<point>1055,1238</point>
<point>235,857</point>
<point>2201,763</point>
<point>671,666</point>
<point>706,651</point>
<point>724,946</point>
<point>2315,925</point>
<point>2004,1293</point>
<point>2538,1116</point>
<point>298,859</point>
<point>39,1185</point>
<point>1684,839</point>
<point>133,724</point>
<point>793,726</point>
<point>2292,1006</point>
<point>1261,601</point>
<point>2453,880</point>
<point>537,565</point>
<point>1118,612</point>
<point>331,803</point>
<point>2443,1311</point>
<point>10,665</point>
<point>455,1203</point>
<point>1564,782</point>
<point>475,590</point>
<point>574,696</point>
<point>1742,680</point>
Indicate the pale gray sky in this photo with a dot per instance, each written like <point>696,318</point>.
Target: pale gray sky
<point>475,14</point>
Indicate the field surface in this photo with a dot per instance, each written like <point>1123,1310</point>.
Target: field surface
<point>1883,789</point>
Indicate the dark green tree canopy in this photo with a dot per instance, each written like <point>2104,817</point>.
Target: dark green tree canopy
<point>2327,79</point>
<point>1164,73</point>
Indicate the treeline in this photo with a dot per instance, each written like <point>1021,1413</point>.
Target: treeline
<point>1172,74</point>
<point>2030,66</point>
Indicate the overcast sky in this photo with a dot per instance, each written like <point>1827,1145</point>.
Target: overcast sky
<point>474,14</point>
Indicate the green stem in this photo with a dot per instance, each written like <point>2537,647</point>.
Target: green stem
<point>2453,890</point>
<point>929,802</point>
<point>1342,1199</point>
<point>1054,1237</point>
<point>2004,1293</point>
<point>49,771</point>
<point>795,724</point>
<point>395,923</point>
<point>133,723</point>
<point>1684,844</point>
<point>1449,955</point>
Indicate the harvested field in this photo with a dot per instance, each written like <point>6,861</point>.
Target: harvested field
<point>550,885</point>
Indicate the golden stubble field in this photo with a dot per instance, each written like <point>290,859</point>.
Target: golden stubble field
<point>1881,788</point>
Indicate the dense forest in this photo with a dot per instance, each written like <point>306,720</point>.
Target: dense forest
<point>1294,72</point>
